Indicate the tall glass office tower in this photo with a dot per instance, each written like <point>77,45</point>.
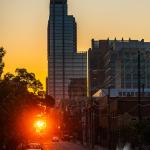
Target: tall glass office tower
<point>64,63</point>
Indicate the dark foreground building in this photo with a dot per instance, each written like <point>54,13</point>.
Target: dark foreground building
<point>113,122</point>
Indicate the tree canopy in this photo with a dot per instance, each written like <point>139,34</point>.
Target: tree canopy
<point>21,98</point>
<point>15,99</point>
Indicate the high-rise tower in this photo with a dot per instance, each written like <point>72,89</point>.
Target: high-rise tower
<point>64,63</point>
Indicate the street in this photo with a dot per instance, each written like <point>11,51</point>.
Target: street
<point>63,146</point>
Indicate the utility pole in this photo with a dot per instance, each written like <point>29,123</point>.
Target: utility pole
<point>109,120</point>
<point>139,99</point>
<point>89,95</point>
<point>139,87</point>
<point>91,117</point>
<point>91,110</point>
<point>92,123</point>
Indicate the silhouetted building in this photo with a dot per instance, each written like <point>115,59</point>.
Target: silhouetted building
<point>115,64</point>
<point>121,62</point>
<point>123,113</point>
<point>64,63</point>
<point>96,64</point>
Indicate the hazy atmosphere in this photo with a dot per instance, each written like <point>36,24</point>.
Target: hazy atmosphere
<point>23,27</point>
<point>76,80</point>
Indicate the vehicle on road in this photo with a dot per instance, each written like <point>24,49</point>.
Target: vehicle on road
<point>33,146</point>
<point>55,139</point>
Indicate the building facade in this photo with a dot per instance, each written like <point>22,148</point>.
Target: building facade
<point>64,63</point>
<point>118,64</point>
<point>121,64</point>
<point>123,113</point>
<point>115,69</point>
<point>77,89</point>
<point>122,92</point>
<point>96,64</point>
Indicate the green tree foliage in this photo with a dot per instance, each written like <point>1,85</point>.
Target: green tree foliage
<point>2,53</point>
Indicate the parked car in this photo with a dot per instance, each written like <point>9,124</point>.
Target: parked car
<point>33,146</point>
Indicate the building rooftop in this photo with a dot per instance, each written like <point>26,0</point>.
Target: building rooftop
<point>121,93</point>
<point>58,1</point>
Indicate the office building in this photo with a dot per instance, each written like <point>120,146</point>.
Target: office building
<point>96,64</point>
<point>77,89</point>
<point>64,62</point>
<point>118,64</point>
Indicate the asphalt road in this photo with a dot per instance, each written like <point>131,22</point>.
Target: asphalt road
<point>63,146</point>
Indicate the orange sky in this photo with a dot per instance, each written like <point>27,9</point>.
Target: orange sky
<point>23,27</point>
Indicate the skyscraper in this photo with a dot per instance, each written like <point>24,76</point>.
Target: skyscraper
<point>64,63</point>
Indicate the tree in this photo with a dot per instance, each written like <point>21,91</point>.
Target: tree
<point>15,98</point>
<point>19,98</point>
<point>2,54</point>
<point>29,80</point>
